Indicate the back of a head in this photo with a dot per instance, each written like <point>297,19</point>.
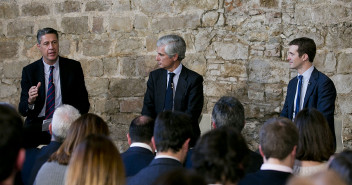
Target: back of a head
<point>174,45</point>
<point>85,125</point>
<point>141,129</point>
<point>180,176</point>
<point>316,142</point>
<point>342,165</point>
<point>305,45</point>
<point>63,117</point>
<point>228,111</point>
<point>10,140</point>
<point>96,161</point>
<point>171,130</point>
<point>221,156</point>
<point>278,137</point>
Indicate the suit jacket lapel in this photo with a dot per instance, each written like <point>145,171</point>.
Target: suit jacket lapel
<point>161,90</point>
<point>41,79</point>
<point>311,85</point>
<point>181,88</point>
<point>63,78</point>
<point>291,96</point>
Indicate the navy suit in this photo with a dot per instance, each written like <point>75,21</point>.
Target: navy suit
<point>265,177</point>
<point>73,92</point>
<point>255,162</point>
<point>135,159</point>
<point>31,155</point>
<point>188,97</point>
<point>154,170</point>
<point>320,94</point>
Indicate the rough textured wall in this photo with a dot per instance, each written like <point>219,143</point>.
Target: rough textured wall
<point>239,46</point>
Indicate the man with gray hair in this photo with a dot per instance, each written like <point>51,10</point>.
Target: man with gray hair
<point>62,119</point>
<point>173,86</point>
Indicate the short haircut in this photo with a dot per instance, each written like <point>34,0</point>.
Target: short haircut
<point>45,31</point>
<point>278,137</point>
<point>316,142</point>
<point>174,45</point>
<point>342,165</point>
<point>221,155</point>
<point>62,119</point>
<point>11,127</point>
<point>180,176</point>
<point>141,129</point>
<point>228,111</point>
<point>305,45</point>
<point>171,130</point>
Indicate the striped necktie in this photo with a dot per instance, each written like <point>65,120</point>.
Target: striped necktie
<point>50,96</point>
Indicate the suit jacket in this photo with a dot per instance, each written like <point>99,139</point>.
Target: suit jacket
<point>28,164</point>
<point>320,94</point>
<point>135,159</point>
<point>188,97</point>
<point>266,177</point>
<point>255,162</point>
<point>73,89</point>
<point>154,170</point>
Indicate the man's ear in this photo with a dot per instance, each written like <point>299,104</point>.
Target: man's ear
<point>175,57</point>
<point>153,143</point>
<point>261,151</point>
<point>20,159</point>
<point>186,144</point>
<point>305,57</point>
<point>129,139</point>
<point>51,129</point>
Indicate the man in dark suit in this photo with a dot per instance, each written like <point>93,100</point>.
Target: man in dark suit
<point>57,79</point>
<point>229,112</point>
<point>185,92</point>
<point>141,151</point>
<point>313,88</point>
<point>278,143</point>
<point>172,133</point>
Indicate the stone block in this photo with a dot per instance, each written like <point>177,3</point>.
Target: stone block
<point>263,71</point>
<point>97,6</point>
<point>6,90</point>
<point>141,22</point>
<point>75,25</point>
<point>65,46</point>
<point>234,69</point>
<point>339,37</point>
<point>196,62</point>
<point>96,47</point>
<point>269,3</point>
<point>124,24</point>
<point>231,51</point>
<point>8,49</point>
<point>274,93</point>
<point>44,23</point>
<point>129,45</point>
<point>153,7</point>
<point>151,43</point>
<point>202,39</point>
<point>20,28</point>
<point>216,89</point>
<point>127,87</point>
<point>272,50</point>
<point>318,14</point>
<point>136,66</point>
<point>97,86</point>
<point>93,68</point>
<point>9,11</point>
<point>273,18</point>
<point>344,64</point>
<point>210,18</point>
<point>30,49</point>
<point>325,61</point>
<point>131,105</point>
<point>14,69</point>
<point>343,83</point>
<point>98,25</point>
<point>68,7</point>
<point>344,102</point>
<point>191,21</point>
<point>191,5</point>
<point>35,9</point>
<point>105,105</point>
<point>121,5</point>
<point>111,66</point>
<point>123,118</point>
<point>256,92</point>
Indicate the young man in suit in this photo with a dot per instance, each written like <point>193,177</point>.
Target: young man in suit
<point>48,83</point>
<point>278,142</point>
<point>141,151</point>
<point>182,92</point>
<point>172,133</point>
<point>313,88</point>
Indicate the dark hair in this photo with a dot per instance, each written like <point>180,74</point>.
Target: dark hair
<point>141,129</point>
<point>228,111</point>
<point>278,137</point>
<point>221,155</point>
<point>45,31</point>
<point>180,176</point>
<point>316,142</point>
<point>305,45</point>
<point>172,129</point>
<point>342,165</point>
<point>11,125</point>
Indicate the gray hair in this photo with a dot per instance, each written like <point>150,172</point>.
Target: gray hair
<point>62,119</point>
<point>174,45</point>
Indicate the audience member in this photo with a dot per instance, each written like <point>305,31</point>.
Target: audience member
<point>141,151</point>
<point>278,142</point>
<point>53,171</point>
<point>180,176</point>
<point>315,144</point>
<point>95,161</point>
<point>220,156</point>
<point>63,117</point>
<point>12,153</point>
<point>325,177</point>
<point>342,165</point>
<point>229,111</point>
<point>172,133</point>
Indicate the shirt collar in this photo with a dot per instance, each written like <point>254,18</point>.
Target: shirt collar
<point>177,71</point>
<point>47,66</point>
<point>142,145</point>
<point>166,156</point>
<point>276,167</point>
<point>306,75</point>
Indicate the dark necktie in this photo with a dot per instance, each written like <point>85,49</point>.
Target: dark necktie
<point>298,99</point>
<point>50,96</point>
<point>169,93</point>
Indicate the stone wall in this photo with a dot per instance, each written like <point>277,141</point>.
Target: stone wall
<point>239,46</point>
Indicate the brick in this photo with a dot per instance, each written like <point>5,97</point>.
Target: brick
<point>97,6</point>
<point>20,28</point>
<point>35,9</point>
<point>68,7</point>
<point>124,24</point>
<point>127,87</point>
<point>131,105</point>
<point>93,68</point>
<point>9,11</point>
<point>75,25</point>
<point>98,25</point>
<point>8,49</point>
<point>96,47</point>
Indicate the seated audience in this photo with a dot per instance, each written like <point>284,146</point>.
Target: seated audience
<point>172,133</point>
<point>12,153</point>
<point>141,151</point>
<point>53,171</point>
<point>95,161</point>
<point>229,111</point>
<point>342,165</point>
<point>221,156</point>
<point>278,139</point>
<point>180,177</point>
<point>62,119</point>
<point>315,144</point>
